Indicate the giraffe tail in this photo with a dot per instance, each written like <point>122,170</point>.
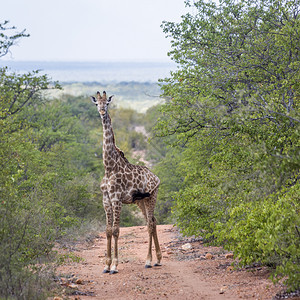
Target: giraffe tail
<point>139,196</point>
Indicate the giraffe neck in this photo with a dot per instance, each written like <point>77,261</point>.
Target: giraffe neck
<point>110,151</point>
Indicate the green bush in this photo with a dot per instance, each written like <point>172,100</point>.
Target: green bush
<point>30,225</point>
<point>267,231</point>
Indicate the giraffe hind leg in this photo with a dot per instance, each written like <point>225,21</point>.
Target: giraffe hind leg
<point>151,222</point>
<point>154,233</point>
<point>157,247</point>
<point>142,206</point>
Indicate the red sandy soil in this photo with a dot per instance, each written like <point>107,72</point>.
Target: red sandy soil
<point>184,274</point>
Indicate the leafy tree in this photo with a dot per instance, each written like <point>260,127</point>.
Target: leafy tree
<point>31,218</point>
<point>236,56</point>
<point>232,107</point>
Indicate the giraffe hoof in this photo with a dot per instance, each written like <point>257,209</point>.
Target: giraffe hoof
<point>148,266</point>
<point>105,271</point>
<point>113,272</point>
<point>157,265</point>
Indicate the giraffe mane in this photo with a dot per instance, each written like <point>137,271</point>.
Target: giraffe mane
<point>114,142</point>
<point>122,154</point>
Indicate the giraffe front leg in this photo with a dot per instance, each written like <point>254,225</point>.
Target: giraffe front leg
<point>108,250</point>
<point>109,218</point>
<point>115,260</point>
<point>117,205</point>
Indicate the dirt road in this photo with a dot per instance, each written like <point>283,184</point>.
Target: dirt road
<point>198,272</point>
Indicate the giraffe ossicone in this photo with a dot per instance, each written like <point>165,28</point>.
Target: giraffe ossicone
<point>124,183</point>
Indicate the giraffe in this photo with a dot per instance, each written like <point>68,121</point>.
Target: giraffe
<point>124,183</point>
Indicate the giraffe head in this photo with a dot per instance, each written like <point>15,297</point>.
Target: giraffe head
<point>102,103</point>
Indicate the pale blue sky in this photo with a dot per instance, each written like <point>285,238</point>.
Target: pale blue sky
<point>91,30</point>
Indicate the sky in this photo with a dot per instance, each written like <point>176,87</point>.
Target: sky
<point>91,30</point>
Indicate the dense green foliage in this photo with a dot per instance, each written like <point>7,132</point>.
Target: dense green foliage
<point>232,111</point>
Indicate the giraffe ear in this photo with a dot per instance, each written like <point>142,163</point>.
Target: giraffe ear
<point>109,99</point>
<point>93,99</point>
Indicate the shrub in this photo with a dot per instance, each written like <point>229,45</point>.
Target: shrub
<point>267,231</point>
